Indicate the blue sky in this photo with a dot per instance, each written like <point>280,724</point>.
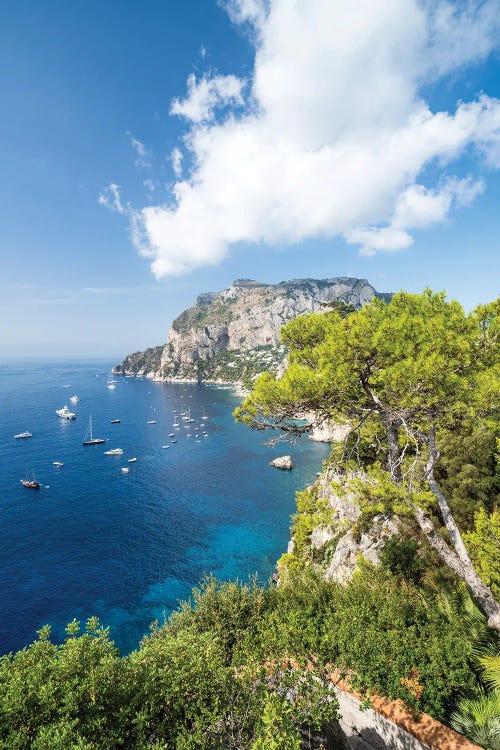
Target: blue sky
<point>274,107</point>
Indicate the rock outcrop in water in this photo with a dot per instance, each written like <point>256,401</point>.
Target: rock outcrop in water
<point>283,462</point>
<point>233,335</point>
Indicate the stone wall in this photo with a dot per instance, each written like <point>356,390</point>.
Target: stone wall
<point>389,725</point>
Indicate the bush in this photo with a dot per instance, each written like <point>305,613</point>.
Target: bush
<point>400,557</point>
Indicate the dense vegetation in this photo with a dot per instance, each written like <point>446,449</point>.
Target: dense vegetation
<point>405,376</point>
<point>417,382</point>
<point>233,365</point>
<point>229,668</point>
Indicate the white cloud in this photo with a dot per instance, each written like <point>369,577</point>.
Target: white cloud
<point>251,11</point>
<point>207,94</point>
<point>416,207</point>
<point>143,154</point>
<point>110,197</point>
<point>176,159</point>
<point>420,207</point>
<point>335,134</point>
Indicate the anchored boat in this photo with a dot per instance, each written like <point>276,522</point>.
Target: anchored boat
<point>30,484</point>
<point>89,438</point>
<point>65,413</point>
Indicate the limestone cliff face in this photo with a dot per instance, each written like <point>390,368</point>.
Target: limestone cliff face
<point>234,334</point>
<point>339,534</point>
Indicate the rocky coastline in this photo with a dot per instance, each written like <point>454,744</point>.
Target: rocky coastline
<point>234,335</point>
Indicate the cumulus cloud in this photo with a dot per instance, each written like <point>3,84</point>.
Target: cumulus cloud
<point>143,154</point>
<point>334,134</point>
<point>205,95</point>
<point>416,207</point>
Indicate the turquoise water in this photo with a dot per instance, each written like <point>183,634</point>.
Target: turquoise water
<point>126,547</point>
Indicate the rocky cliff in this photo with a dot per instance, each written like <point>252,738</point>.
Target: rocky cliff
<point>233,335</point>
<point>330,532</point>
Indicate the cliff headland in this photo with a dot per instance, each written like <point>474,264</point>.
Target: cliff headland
<point>233,335</point>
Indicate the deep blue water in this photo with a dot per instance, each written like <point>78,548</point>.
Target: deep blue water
<point>127,547</point>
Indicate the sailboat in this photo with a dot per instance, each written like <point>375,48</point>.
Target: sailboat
<point>30,484</point>
<point>89,438</point>
<point>111,383</point>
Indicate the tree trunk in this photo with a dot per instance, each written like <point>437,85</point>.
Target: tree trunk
<point>393,452</point>
<point>450,522</point>
<point>463,569</point>
<point>446,512</point>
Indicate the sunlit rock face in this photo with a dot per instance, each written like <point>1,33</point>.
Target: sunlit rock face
<point>234,335</point>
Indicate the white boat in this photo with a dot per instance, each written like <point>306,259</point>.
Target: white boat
<point>132,460</point>
<point>23,435</point>
<point>89,438</point>
<point>111,383</point>
<point>114,452</point>
<point>125,469</point>
<point>176,424</point>
<point>174,441</point>
<point>30,484</point>
<point>171,434</point>
<point>165,446</point>
<point>74,399</point>
<point>65,413</point>
<point>58,464</point>
<point>152,421</point>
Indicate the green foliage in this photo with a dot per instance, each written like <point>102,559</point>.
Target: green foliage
<point>415,364</point>
<point>479,719</point>
<point>479,716</point>
<point>418,353</point>
<point>49,693</point>
<point>231,667</point>
<point>241,365</point>
<point>400,557</point>
<point>483,543</point>
<point>398,642</point>
<point>277,731</point>
<point>468,469</point>
<point>342,308</point>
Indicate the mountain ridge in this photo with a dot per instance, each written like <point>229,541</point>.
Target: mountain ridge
<point>232,335</point>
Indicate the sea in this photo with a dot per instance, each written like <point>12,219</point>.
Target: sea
<point>128,546</point>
